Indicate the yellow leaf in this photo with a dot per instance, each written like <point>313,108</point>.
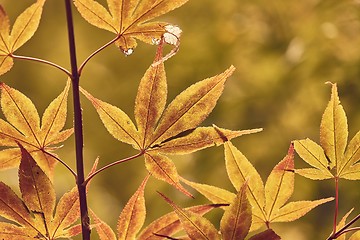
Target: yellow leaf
<point>240,170</point>
<point>196,226</point>
<point>214,194</point>
<point>26,25</point>
<point>6,63</point>
<point>295,210</point>
<point>314,155</point>
<point>334,129</point>
<point>115,120</point>
<point>96,14</point>
<point>4,33</point>
<point>352,155</point>
<point>280,184</point>
<point>164,169</point>
<point>169,224</point>
<point>236,221</point>
<point>132,216</point>
<point>128,19</point>
<point>23,126</point>
<point>313,173</point>
<point>199,138</point>
<point>191,107</point>
<point>150,102</point>
<point>34,214</point>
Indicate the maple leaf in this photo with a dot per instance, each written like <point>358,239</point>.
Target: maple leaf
<point>269,201</point>
<point>23,126</point>
<point>196,226</point>
<point>32,216</point>
<point>129,20</point>
<point>23,29</point>
<point>161,131</point>
<point>331,159</point>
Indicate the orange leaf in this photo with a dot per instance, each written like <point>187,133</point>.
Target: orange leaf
<point>169,224</point>
<point>37,190</point>
<point>196,226</point>
<point>23,126</point>
<point>34,214</point>
<point>132,216</point>
<point>236,221</point>
<point>128,19</point>
<point>104,231</point>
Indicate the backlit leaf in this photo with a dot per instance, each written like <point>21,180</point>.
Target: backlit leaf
<point>191,107</point>
<point>128,19</point>
<point>331,159</point>
<point>236,221</point>
<point>164,169</point>
<point>161,130</point>
<point>280,184</point>
<point>334,129</point>
<point>240,170</point>
<point>24,127</point>
<point>132,216</point>
<point>26,25</point>
<point>150,102</point>
<point>23,29</point>
<point>34,214</point>
<point>36,188</point>
<point>169,224</point>
<point>200,138</point>
<point>115,120</point>
<point>294,210</point>
<point>214,194</point>
<point>196,226</point>
<point>103,230</point>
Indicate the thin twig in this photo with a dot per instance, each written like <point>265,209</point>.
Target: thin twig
<point>336,204</point>
<point>345,228</point>
<point>62,162</point>
<point>112,164</point>
<point>41,61</point>
<point>78,126</point>
<point>96,52</point>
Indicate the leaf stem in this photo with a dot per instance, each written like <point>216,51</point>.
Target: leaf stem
<point>78,128</point>
<point>62,162</point>
<point>112,164</point>
<point>336,203</point>
<point>41,61</point>
<point>346,228</point>
<point>96,52</point>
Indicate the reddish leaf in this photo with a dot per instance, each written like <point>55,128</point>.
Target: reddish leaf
<point>268,234</point>
<point>236,221</point>
<point>34,214</point>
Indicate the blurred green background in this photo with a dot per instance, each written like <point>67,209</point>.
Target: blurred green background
<point>284,52</point>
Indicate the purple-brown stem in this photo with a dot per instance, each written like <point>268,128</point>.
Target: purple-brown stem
<point>78,127</point>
